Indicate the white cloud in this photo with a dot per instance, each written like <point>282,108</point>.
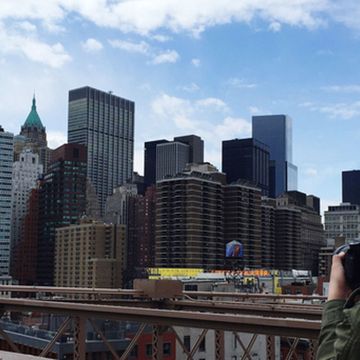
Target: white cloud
<point>144,17</point>
<point>161,38</point>
<point>212,102</point>
<point>191,88</point>
<point>196,62</point>
<point>255,110</point>
<point>92,45</point>
<point>26,26</point>
<point>56,139</point>
<point>241,84</point>
<point>198,117</point>
<point>168,56</point>
<point>339,110</point>
<point>351,88</point>
<point>141,47</point>
<point>32,48</point>
<point>275,26</point>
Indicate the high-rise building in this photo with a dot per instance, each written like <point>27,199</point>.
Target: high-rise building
<point>150,161</point>
<point>343,220</point>
<point>142,220</point>
<point>90,254</point>
<point>351,187</point>
<point>33,136</point>
<point>196,147</point>
<point>268,206</point>
<point>312,232</point>
<point>189,220</point>
<point>25,255</point>
<point>242,204</point>
<point>62,202</point>
<point>104,123</point>
<point>26,172</point>
<point>246,159</point>
<point>276,132</point>
<point>6,162</point>
<point>171,158</point>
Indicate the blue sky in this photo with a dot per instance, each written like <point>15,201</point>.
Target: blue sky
<point>202,67</point>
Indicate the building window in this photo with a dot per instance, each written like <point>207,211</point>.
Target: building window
<point>187,342</point>
<point>149,350</point>
<point>167,349</point>
<point>202,345</point>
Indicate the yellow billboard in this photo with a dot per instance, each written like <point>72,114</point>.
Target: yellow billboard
<point>165,273</point>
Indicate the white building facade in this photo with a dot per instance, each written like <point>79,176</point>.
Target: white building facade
<point>343,220</point>
<point>6,161</point>
<point>25,174</point>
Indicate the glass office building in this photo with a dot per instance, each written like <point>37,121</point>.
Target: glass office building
<point>6,164</point>
<point>351,187</point>
<point>105,124</point>
<point>276,132</point>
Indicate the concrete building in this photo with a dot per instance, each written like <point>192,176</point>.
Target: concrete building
<point>91,254</point>
<point>242,219</point>
<point>246,159</point>
<point>33,136</point>
<point>62,202</point>
<point>276,132</point>
<point>104,123</point>
<point>189,219</point>
<point>24,267</point>
<point>26,172</point>
<point>343,220</point>
<point>171,159</point>
<point>141,225</point>
<point>6,162</point>
<point>326,254</point>
<point>196,149</point>
<point>168,158</point>
<point>268,208</point>
<point>305,253</point>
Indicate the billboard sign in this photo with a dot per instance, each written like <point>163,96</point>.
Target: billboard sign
<point>234,249</point>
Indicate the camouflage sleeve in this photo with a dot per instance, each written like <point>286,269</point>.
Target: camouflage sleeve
<point>333,314</point>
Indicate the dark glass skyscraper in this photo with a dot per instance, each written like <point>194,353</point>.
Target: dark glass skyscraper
<point>276,132</point>
<point>246,159</point>
<point>150,161</point>
<point>105,124</point>
<point>196,149</point>
<point>62,202</point>
<point>351,187</point>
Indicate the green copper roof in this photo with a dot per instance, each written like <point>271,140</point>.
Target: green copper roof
<point>33,119</point>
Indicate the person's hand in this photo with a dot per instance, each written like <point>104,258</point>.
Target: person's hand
<point>338,289</point>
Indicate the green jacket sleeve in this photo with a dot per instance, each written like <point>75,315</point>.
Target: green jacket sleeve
<point>340,330</point>
<point>332,315</point>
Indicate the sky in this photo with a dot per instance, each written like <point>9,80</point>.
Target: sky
<point>200,67</point>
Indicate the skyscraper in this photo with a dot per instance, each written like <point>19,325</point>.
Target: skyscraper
<point>276,132</point>
<point>196,149</point>
<point>189,220</point>
<point>62,202</point>
<point>246,159</point>
<point>33,136</point>
<point>6,162</point>
<point>351,187</point>
<point>105,124</point>
<point>26,172</point>
<point>150,161</point>
<point>171,158</point>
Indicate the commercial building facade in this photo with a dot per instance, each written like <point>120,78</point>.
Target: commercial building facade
<point>351,187</point>
<point>6,162</point>
<point>276,132</point>
<point>90,254</point>
<point>189,220</point>
<point>104,123</point>
<point>246,159</point>
<point>62,202</point>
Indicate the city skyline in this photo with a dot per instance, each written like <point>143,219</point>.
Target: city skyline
<point>186,79</point>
